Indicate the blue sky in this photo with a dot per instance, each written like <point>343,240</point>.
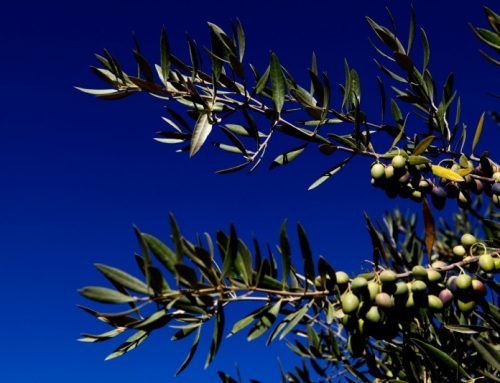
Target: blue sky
<point>77,172</point>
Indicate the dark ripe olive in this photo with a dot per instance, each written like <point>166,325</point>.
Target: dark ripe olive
<point>446,296</point>
<point>452,189</point>
<point>452,283</point>
<point>405,191</point>
<point>438,196</point>
<point>478,288</point>
<point>404,178</point>
<point>495,188</point>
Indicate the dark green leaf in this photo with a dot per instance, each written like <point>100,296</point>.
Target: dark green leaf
<point>306,253</point>
<point>265,321</point>
<point>161,251</point>
<point>191,353</point>
<point>487,352</point>
<point>423,145</point>
<point>105,295</point>
<point>329,174</point>
<point>123,279</point>
<point>217,334</point>
<point>278,83</point>
<point>286,253</point>
<point>164,56</point>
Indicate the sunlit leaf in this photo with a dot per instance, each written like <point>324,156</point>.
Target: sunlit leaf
<point>479,130</point>
<point>123,279</point>
<point>201,131</point>
<point>449,174</point>
<point>287,157</point>
<point>423,145</point>
<point>278,83</point>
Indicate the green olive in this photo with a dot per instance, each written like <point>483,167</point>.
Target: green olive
<point>358,284</point>
<point>373,315</point>
<point>342,277</point>
<point>388,276</point>
<point>465,307</point>
<point>486,262</point>
<point>419,272</point>
<point>464,281</point>
<point>468,239</point>
<point>349,302</point>
<point>398,162</point>
<point>377,171</point>
<point>434,303</point>
<point>459,251</point>
<point>373,289</point>
<point>433,275</point>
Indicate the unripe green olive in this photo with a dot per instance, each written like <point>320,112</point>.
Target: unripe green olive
<point>419,272</point>
<point>418,287</point>
<point>434,303</point>
<point>486,262</point>
<point>464,281</point>
<point>384,300</point>
<point>410,302</point>
<point>496,176</point>
<point>497,265</point>
<point>318,282</point>
<point>388,276</point>
<point>342,277</point>
<point>401,289</point>
<point>358,284</point>
<point>459,251</point>
<point>398,162</point>
<point>377,171</point>
<point>349,302</point>
<point>433,276</point>
<point>373,289</point>
<point>468,239</point>
<point>373,315</point>
<point>389,171</point>
<point>464,306</point>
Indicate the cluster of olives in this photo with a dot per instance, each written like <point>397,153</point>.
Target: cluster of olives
<point>375,304</point>
<point>405,179</point>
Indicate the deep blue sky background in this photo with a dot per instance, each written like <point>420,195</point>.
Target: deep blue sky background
<point>77,172</point>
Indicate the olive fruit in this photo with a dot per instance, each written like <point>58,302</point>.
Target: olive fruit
<point>496,176</point>
<point>384,300</point>
<point>452,283</point>
<point>446,296</point>
<point>497,264</point>
<point>434,303</point>
<point>349,302</point>
<point>342,277</point>
<point>495,188</point>
<point>465,306</point>
<point>419,272</point>
<point>486,262</point>
<point>373,289</point>
<point>401,289</point>
<point>318,282</point>
<point>418,286</point>
<point>438,196</point>
<point>358,284</point>
<point>377,171</point>
<point>478,288</point>
<point>464,281</point>
<point>433,276</point>
<point>398,162</point>
<point>468,239</point>
<point>459,250</point>
<point>388,276</point>
<point>389,171</point>
<point>373,315</point>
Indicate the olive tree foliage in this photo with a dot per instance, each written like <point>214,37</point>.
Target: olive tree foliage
<point>426,308</point>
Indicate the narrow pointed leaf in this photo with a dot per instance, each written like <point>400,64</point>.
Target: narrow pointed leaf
<point>191,353</point>
<point>278,83</point>
<point>306,253</point>
<point>479,130</point>
<point>329,174</point>
<point>449,174</point>
<point>123,279</point>
<point>428,228</point>
<point>287,157</point>
<point>164,56</point>
<point>265,321</point>
<point>105,295</point>
<point>286,253</point>
<point>423,145</point>
<point>217,334</point>
<point>201,131</point>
